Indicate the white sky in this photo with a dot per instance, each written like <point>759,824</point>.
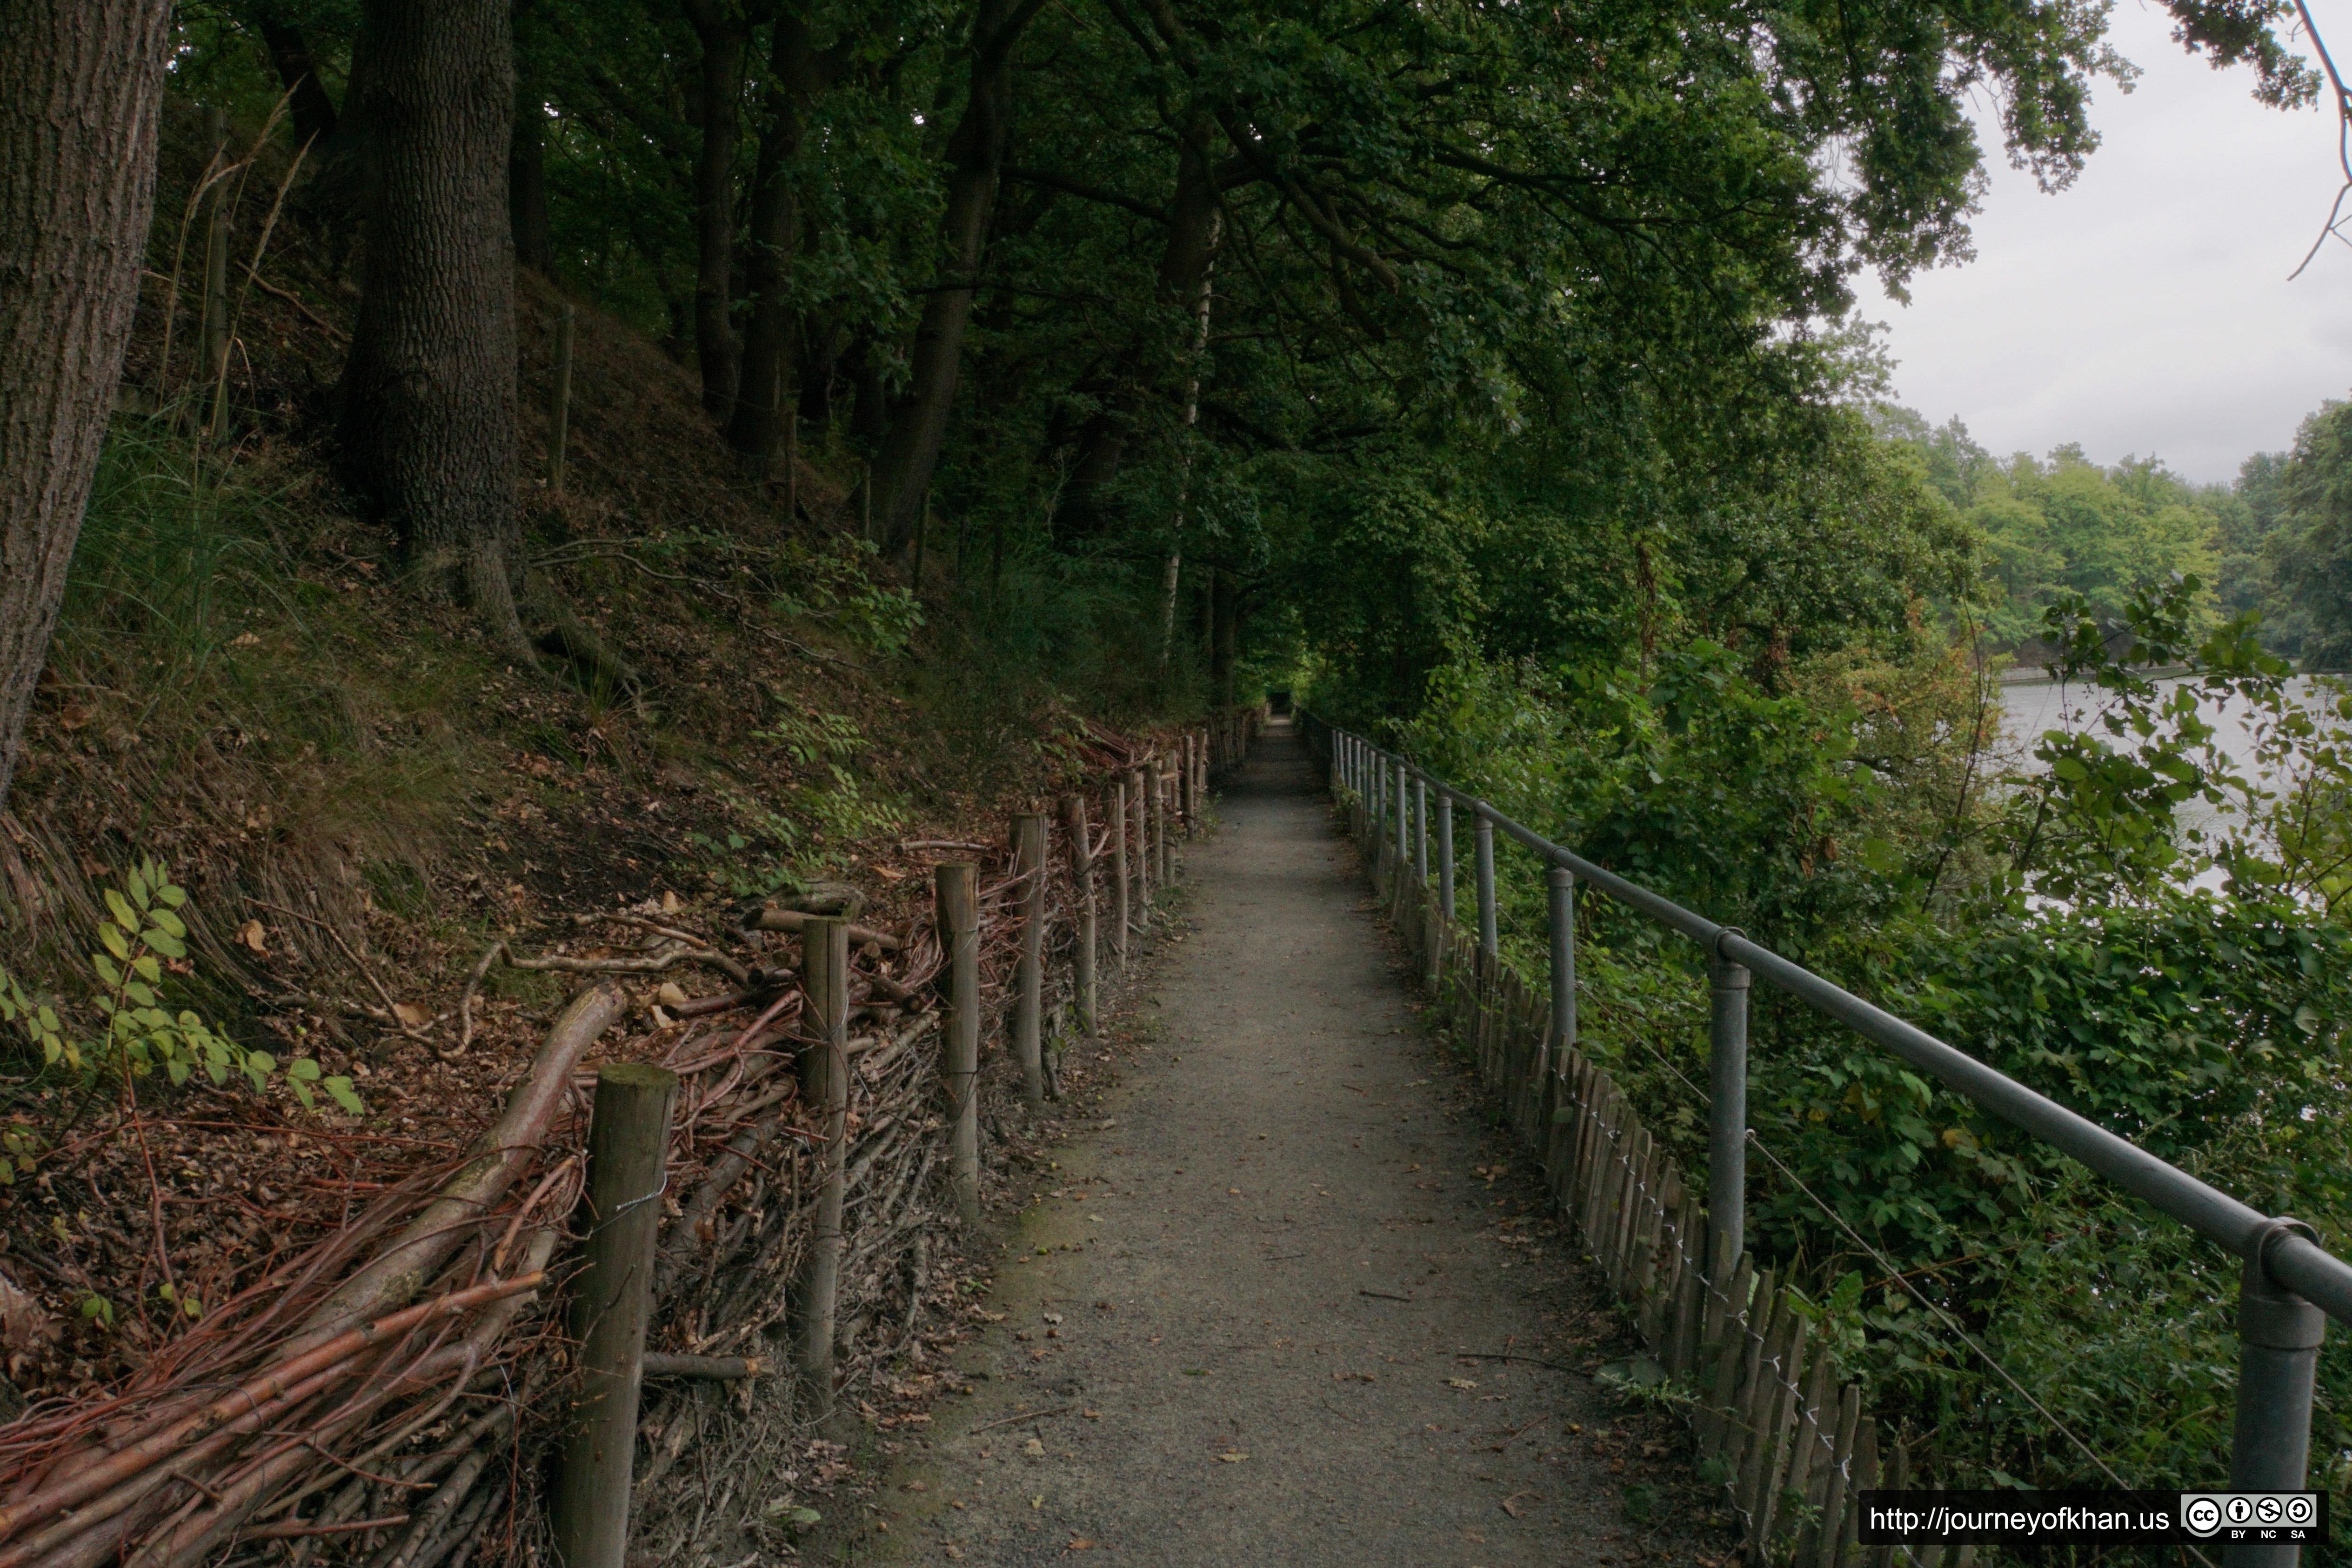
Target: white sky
<point>2145,308</point>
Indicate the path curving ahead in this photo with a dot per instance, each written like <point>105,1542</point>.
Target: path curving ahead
<point>1242,1341</point>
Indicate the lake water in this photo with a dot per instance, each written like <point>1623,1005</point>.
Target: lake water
<point>2032,707</point>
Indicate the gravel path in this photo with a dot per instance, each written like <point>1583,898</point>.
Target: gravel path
<point>1237,1318</point>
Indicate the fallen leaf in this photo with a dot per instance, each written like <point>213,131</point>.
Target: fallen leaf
<point>251,640</point>
<point>1091,1414</point>
<point>1511,1504</point>
<point>1232,1192</point>
<point>1232,1459</point>
<point>24,1325</point>
<point>411,1015</point>
<point>254,937</point>
<point>1079,1543</point>
<point>671,995</point>
<point>671,904</point>
<point>1460,1382</point>
<point>1033,1449</point>
<point>74,716</point>
<point>917,1486</point>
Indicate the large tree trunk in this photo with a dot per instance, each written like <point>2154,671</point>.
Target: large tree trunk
<point>429,422</point>
<point>902,474</point>
<point>313,111</point>
<point>797,73</point>
<point>718,87</point>
<point>81,93</point>
<point>1224,633</point>
<point>1196,222</point>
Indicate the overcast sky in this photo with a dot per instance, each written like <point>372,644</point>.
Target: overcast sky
<point>2146,308</point>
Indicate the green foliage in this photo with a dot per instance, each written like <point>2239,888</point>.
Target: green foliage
<point>828,807</point>
<point>146,932</point>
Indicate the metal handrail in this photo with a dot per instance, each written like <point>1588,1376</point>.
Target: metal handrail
<point>2287,1275</point>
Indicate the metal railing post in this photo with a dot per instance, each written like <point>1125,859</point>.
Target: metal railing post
<point>1483,839</point>
<point>2278,1335</point>
<point>1402,804</point>
<point>1421,831</point>
<point>1563,956</point>
<point>1445,853</point>
<point>1726,1133</point>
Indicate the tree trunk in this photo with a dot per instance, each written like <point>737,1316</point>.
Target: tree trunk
<point>796,75</point>
<point>82,94</point>
<point>428,419</point>
<point>313,111</point>
<point>1196,224</point>
<point>1225,640</point>
<point>976,162</point>
<point>718,87</point>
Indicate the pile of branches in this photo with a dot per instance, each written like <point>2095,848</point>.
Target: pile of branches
<point>383,1391</point>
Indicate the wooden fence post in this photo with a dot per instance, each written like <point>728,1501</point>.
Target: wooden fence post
<point>1082,873</point>
<point>612,1301</point>
<point>559,404</point>
<point>1142,797</point>
<point>1118,870</point>
<point>1029,1008</point>
<point>825,1085</point>
<point>1161,789</point>
<point>214,305</point>
<point>956,891</point>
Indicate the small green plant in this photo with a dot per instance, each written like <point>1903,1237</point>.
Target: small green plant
<point>145,932</point>
<point>98,1310</point>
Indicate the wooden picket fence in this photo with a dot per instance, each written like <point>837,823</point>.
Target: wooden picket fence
<point>1787,1433</point>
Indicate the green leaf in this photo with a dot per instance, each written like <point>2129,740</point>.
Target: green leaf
<point>124,915</point>
<point>344,1094</point>
<point>170,896</point>
<point>165,920</point>
<point>163,942</point>
<point>116,943</point>
<point>302,1070</point>
<point>147,969</point>
<point>302,1093</point>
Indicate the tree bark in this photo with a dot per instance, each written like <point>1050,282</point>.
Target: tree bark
<point>1196,224</point>
<point>428,419</point>
<point>1225,628</point>
<point>312,111</point>
<point>81,96</point>
<point>797,73</point>
<point>976,165</point>
<point>718,87</point>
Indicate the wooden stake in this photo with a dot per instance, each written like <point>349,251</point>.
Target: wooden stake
<point>215,337</point>
<point>612,1301</point>
<point>1164,867</point>
<point>824,1086</point>
<point>1082,873</point>
<point>1142,800</point>
<point>791,464</point>
<point>1029,1009</point>
<point>1118,869</point>
<point>956,889</point>
<point>559,404</point>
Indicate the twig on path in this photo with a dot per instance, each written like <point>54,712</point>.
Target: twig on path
<point>1385,1295</point>
<point>1530,1360</point>
<point>1024,1416</point>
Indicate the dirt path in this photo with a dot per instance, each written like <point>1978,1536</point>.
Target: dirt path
<point>1236,1317</point>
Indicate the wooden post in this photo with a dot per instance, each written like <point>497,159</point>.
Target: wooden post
<point>215,337</point>
<point>792,462</point>
<point>559,404</point>
<point>1118,869</point>
<point>1162,867</point>
<point>1142,797</point>
<point>824,1086</point>
<point>612,1301</point>
<point>1082,874</point>
<point>955,887</point>
<point>1029,1009</point>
